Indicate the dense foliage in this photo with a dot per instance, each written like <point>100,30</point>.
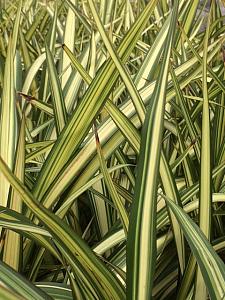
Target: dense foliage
<point>112,156</point>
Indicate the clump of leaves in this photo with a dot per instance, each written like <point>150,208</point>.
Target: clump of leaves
<point>112,149</point>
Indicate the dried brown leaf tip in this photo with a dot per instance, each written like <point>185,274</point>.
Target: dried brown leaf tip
<point>25,96</point>
<point>96,134</point>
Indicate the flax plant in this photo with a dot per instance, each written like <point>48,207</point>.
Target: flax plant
<point>112,156</point>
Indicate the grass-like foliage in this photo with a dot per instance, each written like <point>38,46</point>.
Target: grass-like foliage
<point>112,149</point>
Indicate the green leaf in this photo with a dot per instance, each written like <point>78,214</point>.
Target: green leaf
<point>109,183</point>
<point>8,124</point>
<point>9,295</point>
<point>170,188</point>
<point>20,285</point>
<point>205,179</point>
<point>56,92</point>
<point>12,247</point>
<point>141,245</point>
<point>211,265</point>
<point>56,290</point>
<point>69,40</point>
<point>16,28</point>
